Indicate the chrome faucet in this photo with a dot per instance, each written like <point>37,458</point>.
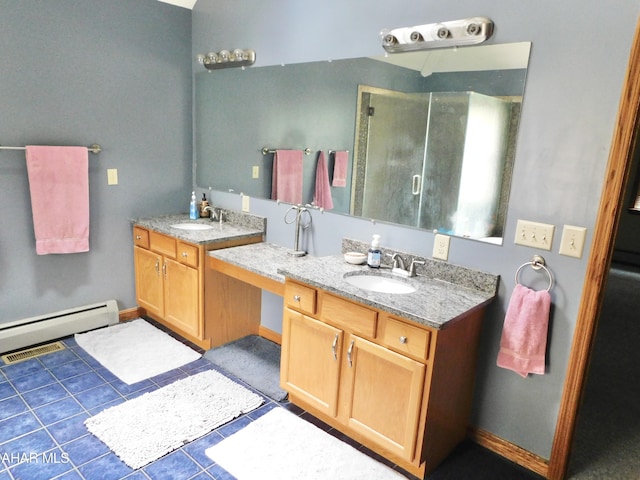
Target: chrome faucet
<point>399,267</point>
<point>215,213</point>
<point>300,210</point>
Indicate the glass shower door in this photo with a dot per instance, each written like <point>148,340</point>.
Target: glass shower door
<point>395,157</point>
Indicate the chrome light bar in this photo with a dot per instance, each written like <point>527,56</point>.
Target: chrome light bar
<point>469,31</point>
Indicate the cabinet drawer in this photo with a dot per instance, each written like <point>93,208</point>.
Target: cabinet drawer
<point>188,254</point>
<point>141,237</point>
<point>162,244</point>
<point>300,297</point>
<point>404,338</point>
<point>351,316</point>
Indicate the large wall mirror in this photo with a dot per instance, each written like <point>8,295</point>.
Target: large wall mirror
<point>430,136</point>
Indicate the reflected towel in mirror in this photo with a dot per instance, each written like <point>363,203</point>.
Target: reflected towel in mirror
<point>286,183</point>
<point>341,162</point>
<point>322,196</point>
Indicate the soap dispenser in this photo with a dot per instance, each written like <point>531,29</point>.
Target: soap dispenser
<point>375,254</point>
<point>204,213</point>
<point>193,211</point>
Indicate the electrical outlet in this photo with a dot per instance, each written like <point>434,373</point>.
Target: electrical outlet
<point>112,176</point>
<point>572,241</point>
<point>534,234</point>
<point>245,203</point>
<point>255,171</point>
<point>441,246</point>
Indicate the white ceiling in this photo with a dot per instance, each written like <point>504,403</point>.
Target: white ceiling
<point>181,3</point>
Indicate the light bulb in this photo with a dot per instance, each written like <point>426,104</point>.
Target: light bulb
<point>238,55</point>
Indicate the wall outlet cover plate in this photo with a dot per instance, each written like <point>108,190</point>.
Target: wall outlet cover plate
<point>441,246</point>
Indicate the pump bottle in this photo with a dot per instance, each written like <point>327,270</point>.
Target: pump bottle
<point>375,254</point>
<point>193,210</point>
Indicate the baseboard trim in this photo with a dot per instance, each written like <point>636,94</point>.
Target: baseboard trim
<point>130,314</point>
<point>510,451</point>
<point>270,334</point>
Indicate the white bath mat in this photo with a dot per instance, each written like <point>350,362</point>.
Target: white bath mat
<point>136,350</point>
<point>281,446</point>
<point>145,428</point>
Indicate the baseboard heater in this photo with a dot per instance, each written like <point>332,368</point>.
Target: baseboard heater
<point>31,331</point>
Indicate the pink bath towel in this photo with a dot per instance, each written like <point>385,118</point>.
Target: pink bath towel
<point>59,186</point>
<point>341,163</point>
<point>322,197</point>
<point>524,334</point>
<point>286,183</point>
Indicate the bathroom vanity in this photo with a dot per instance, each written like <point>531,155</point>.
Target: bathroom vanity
<point>170,269</point>
<point>393,371</point>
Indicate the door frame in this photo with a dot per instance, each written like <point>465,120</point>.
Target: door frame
<point>604,235</point>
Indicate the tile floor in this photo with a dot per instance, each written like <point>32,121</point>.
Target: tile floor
<point>44,402</point>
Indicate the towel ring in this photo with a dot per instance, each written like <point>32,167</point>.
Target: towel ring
<point>537,263</point>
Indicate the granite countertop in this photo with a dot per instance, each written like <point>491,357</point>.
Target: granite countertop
<point>434,303</point>
<point>235,226</point>
<point>262,258</point>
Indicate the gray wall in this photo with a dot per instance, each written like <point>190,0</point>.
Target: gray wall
<point>571,101</point>
<point>114,72</point>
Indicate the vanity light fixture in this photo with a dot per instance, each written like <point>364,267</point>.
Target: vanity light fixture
<point>469,31</point>
<point>226,59</point>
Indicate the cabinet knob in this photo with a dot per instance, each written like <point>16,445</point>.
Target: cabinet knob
<point>138,237</point>
<point>185,254</point>
<point>296,298</point>
<point>403,339</point>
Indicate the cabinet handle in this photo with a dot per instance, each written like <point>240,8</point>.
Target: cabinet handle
<point>185,254</point>
<point>138,237</point>
<point>349,352</point>
<point>334,346</point>
<point>157,266</point>
<point>164,269</point>
<point>296,298</point>
<point>403,339</point>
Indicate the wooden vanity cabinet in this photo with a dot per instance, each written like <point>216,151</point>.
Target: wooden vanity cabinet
<point>175,287</point>
<point>168,281</point>
<point>400,388</point>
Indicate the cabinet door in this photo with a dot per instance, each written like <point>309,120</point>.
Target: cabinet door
<point>149,291</point>
<point>181,296</point>
<point>310,365</point>
<point>383,394</point>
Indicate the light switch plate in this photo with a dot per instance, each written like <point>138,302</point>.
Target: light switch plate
<point>255,171</point>
<point>441,247</point>
<point>534,234</point>
<point>245,203</point>
<point>112,176</point>
<point>572,241</point>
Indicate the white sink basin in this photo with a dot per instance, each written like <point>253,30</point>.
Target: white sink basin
<point>191,226</point>
<point>376,283</point>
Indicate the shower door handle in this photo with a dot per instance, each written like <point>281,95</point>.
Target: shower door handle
<point>416,184</point>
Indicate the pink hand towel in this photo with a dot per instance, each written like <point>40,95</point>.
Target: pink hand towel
<point>286,183</point>
<point>322,197</point>
<point>59,186</point>
<point>341,163</point>
<point>524,334</point>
